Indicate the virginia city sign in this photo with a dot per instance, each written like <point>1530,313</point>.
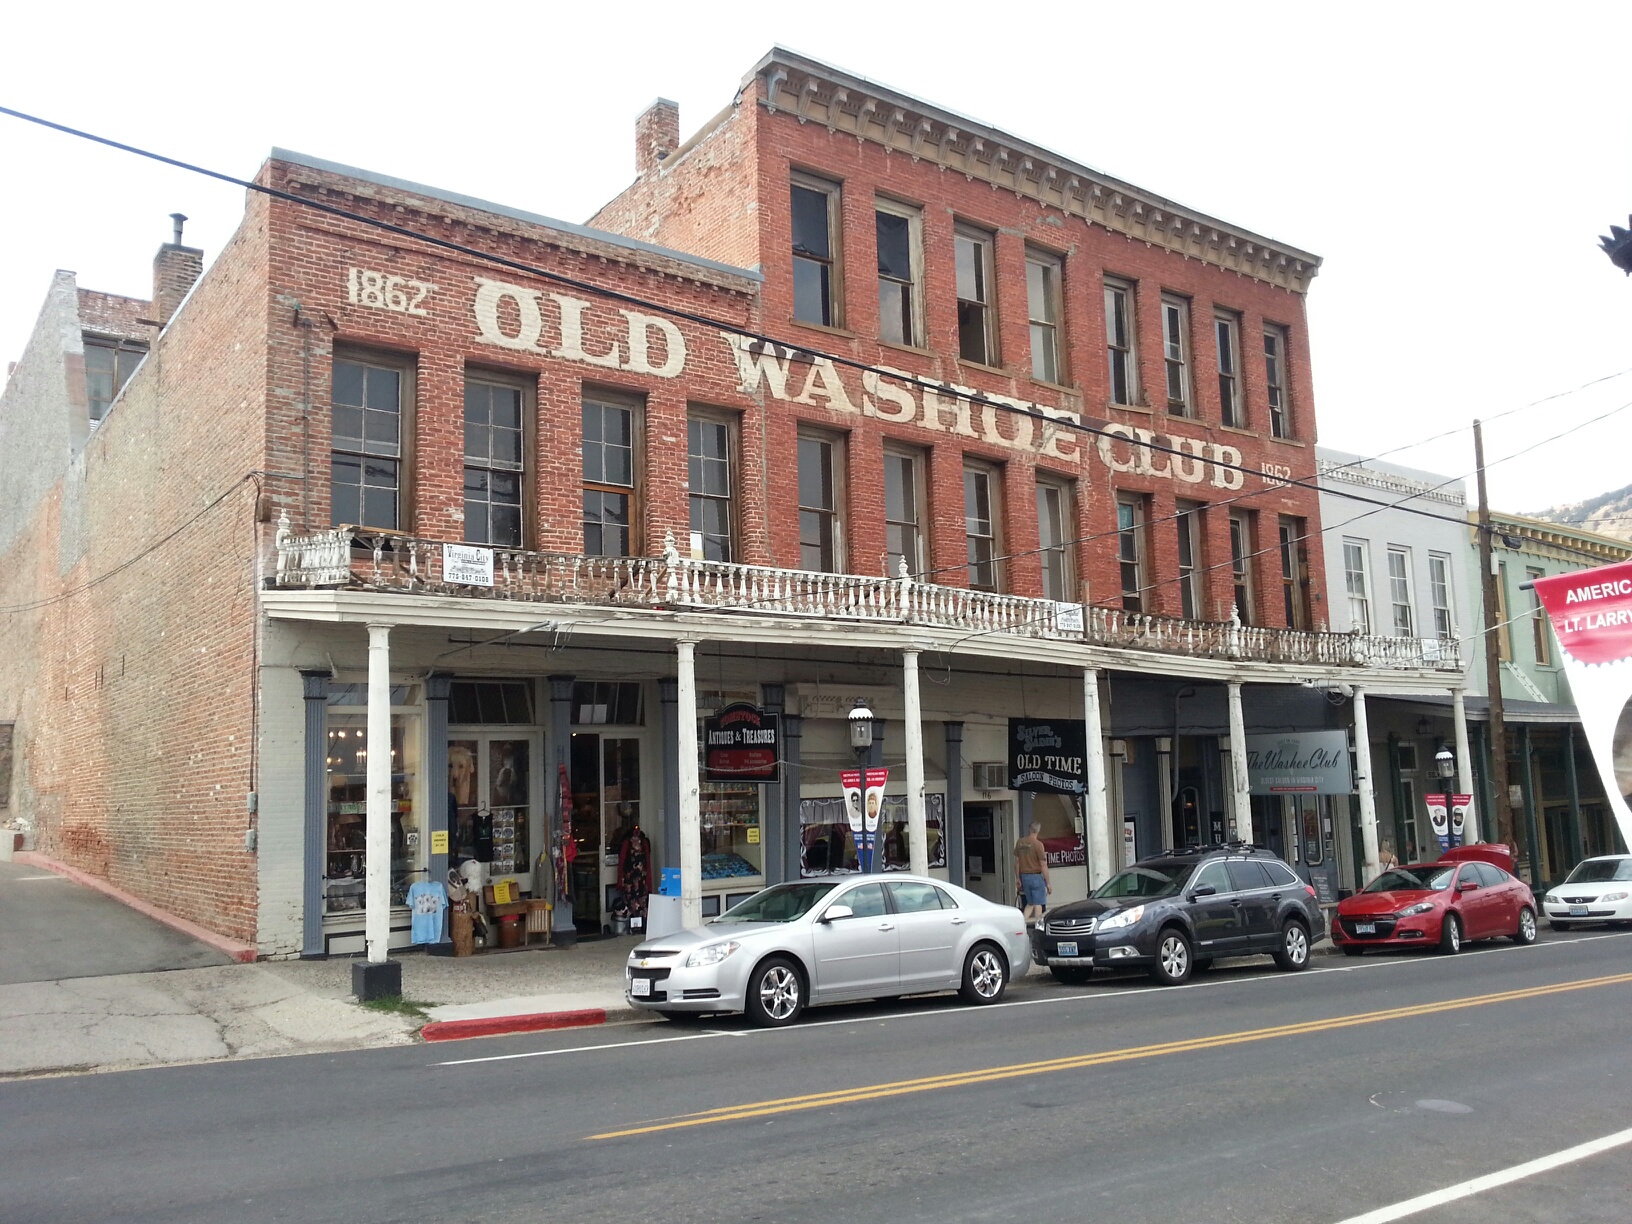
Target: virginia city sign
<point>1303,762</point>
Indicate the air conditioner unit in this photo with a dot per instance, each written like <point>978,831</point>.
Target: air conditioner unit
<point>991,775</point>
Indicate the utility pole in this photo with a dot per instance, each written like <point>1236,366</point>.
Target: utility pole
<point>1493,649</point>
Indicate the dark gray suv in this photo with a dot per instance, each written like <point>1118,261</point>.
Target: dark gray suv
<point>1175,913</point>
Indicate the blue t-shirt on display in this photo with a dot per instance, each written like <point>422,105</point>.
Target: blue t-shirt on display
<point>427,902</point>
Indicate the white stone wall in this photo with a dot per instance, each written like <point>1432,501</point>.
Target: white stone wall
<point>281,834</point>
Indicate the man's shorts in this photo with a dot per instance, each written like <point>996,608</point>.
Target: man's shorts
<point>1033,890</point>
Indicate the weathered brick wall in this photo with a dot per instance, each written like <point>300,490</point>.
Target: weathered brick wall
<point>731,186</point>
<point>137,654</point>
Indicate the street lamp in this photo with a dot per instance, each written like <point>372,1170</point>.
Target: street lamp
<point>861,740</point>
<point>861,730</point>
<point>1445,762</point>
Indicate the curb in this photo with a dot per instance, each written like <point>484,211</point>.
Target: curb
<point>243,953</point>
<point>498,1026</point>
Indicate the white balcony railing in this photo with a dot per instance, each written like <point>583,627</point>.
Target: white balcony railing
<point>360,559</point>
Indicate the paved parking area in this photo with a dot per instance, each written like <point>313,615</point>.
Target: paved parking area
<point>56,929</point>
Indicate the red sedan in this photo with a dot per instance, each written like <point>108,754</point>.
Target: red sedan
<point>1444,904</point>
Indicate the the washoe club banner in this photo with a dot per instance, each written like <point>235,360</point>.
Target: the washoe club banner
<point>1591,612</point>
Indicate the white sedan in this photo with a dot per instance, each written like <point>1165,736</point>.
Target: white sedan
<point>1598,890</point>
<point>833,940</point>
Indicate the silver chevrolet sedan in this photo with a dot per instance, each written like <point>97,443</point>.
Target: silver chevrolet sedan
<point>826,941</point>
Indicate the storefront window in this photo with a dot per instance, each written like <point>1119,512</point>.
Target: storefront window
<point>347,840</point>
<point>489,795</point>
<point>829,848</point>
<point>732,844</point>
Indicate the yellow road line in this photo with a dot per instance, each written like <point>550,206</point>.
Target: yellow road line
<point>959,1079</point>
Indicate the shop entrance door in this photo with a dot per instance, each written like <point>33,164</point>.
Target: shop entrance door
<point>605,779</point>
<point>988,840</point>
<point>492,804</point>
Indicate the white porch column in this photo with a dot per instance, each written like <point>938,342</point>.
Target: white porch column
<point>1362,783</point>
<point>1464,764</point>
<point>377,827</point>
<point>917,833</point>
<point>1096,815</point>
<point>691,825</point>
<point>1238,766</point>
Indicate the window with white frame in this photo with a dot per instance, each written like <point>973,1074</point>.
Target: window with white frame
<point>1294,594</point>
<point>1399,592</point>
<point>1176,352</point>
<point>1188,523</point>
<point>977,311</point>
<point>711,475</point>
<point>1280,409</point>
<point>981,502</point>
<point>816,273</point>
<point>1357,584</point>
<point>365,464</point>
<point>821,546</point>
<point>1043,305</point>
<point>903,510</point>
<point>1540,633</point>
<point>495,460</point>
<point>611,480</point>
<point>1227,333</point>
<point>1119,346</point>
<point>1054,538</point>
<point>900,272</point>
<point>1243,564</point>
<point>1130,549</point>
<point>1439,590</point>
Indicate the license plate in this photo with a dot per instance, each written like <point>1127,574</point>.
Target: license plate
<point>1578,911</point>
<point>641,988</point>
<point>1365,928</point>
<point>1068,949</point>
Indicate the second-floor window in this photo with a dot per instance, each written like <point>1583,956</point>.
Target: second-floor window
<point>1295,606</point>
<point>1176,353</point>
<point>711,479</point>
<point>1130,549</point>
<point>903,511</point>
<point>1280,412</point>
<point>365,464</point>
<point>977,315</point>
<point>900,273</point>
<point>980,505</point>
<point>815,251</point>
<point>1119,342</point>
<point>1357,583</point>
<point>1540,634</point>
<point>1402,623</point>
<point>1055,539</point>
<point>108,366</point>
<point>1188,523</point>
<point>1439,584</point>
<point>1043,305</point>
<point>610,486</point>
<point>1243,563</point>
<point>494,462</point>
<point>1504,631</point>
<point>1227,332</point>
<point>820,545</point>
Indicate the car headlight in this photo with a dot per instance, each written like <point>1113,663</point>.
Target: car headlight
<point>1551,899</point>
<point>1120,919</point>
<point>713,954</point>
<point>1620,896</point>
<point>1422,907</point>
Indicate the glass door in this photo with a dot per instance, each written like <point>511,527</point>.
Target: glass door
<point>606,807</point>
<point>492,804</point>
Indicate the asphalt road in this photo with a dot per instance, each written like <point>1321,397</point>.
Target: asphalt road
<point>52,928</point>
<point>1247,1095</point>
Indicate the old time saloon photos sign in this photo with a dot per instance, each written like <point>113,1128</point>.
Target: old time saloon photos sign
<point>741,743</point>
<point>1048,755</point>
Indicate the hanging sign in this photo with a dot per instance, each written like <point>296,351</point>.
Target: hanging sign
<point>863,805</point>
<point>1302,762</point>
<point>741,743</point>
<point>1439,816</point>
<point>466,565</point>
<point>1048,755</point>
<point>439,841</point>
<point>1591,614</point>
<point>1461,812</point>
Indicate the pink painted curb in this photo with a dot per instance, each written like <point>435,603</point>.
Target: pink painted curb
<point>240,952</point>
<point>495,1026</point>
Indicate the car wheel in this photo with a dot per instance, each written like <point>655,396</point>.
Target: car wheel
<point>776,993</point>
<point>1450,935</point>
<point>1558,924</point>
<point>1526,934</point>
<point>1173,958</point>
<point>985,975</point>
<point>1353,950</point>
<point>1294,951</point>
<point>1069,976</point>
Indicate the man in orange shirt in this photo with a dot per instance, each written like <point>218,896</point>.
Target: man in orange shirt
<point>1031,865</point>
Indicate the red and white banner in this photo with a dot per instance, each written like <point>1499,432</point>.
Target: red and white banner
<point>1591,612</point>
<point>863,805</point>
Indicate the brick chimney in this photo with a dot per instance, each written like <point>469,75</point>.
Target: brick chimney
<point>657,134</point>
<point>175,268</point>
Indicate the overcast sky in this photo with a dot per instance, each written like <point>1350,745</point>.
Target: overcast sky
<point>1453,170</point>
